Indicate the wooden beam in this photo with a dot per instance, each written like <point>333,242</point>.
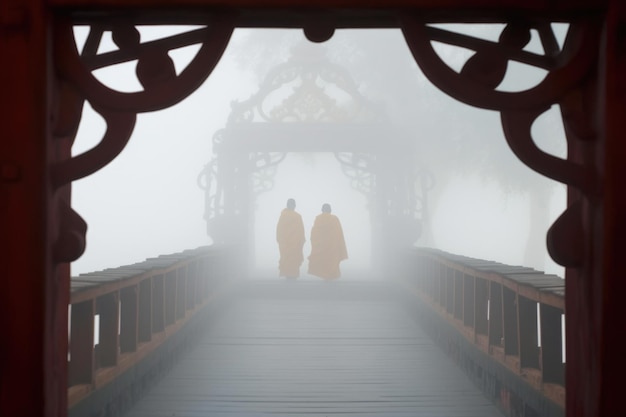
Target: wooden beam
<point>332,13</point>
<point>537,5</point>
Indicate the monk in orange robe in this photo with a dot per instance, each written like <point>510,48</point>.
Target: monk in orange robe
<point>328,247</point>
<point>290,238</point>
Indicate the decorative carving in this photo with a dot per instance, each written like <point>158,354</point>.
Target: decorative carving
<point>566,68</point>
<point>308,76</point>
<point>359,168</point>
<point>477,85</point>
<point>162,88</point>
<point>309,93</point>
<point>264,166</point>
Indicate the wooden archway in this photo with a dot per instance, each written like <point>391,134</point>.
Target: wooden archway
<point>309,104</point>
<point>46,81</point>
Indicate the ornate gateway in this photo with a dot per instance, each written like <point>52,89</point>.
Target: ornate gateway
<point>308,104</point>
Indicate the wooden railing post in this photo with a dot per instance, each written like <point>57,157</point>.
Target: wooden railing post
<point>129,319</point>
<point>145,311</point>
<point>181,292</point>
<point>81,363</point>
<point>551,345</point>
<point>170,297</point>
<point>509,305</point>
<point>468,300</point>
<point>158,303</point>
<point>529,343</point>
<point>107,307</point>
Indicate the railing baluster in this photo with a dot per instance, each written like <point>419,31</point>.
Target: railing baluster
<point>495,307</point>
<point>170,297</point>
<point>158,303</point>
<point>145,311</point>
<point>81,365</point>
<point>129,320</point>
<point>107,306</point>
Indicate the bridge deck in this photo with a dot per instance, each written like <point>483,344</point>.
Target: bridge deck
<point>318,349</point>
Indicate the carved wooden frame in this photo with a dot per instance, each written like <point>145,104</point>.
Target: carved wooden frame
<point>585,80</point>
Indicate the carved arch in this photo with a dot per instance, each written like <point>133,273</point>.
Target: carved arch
<point>309,103</point>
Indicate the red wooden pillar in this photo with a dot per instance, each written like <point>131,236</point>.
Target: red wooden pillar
<point>32,376</point>
<point>595,364</point>
<point>609,241</point>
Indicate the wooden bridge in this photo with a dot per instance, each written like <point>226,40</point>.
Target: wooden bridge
<point>187,335</point>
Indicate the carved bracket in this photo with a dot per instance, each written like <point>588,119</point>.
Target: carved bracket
<point>76,83</point>
<point>477,85</point>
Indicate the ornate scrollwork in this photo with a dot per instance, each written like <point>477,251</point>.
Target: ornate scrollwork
<point>401,197</point>
<point>309,93</point>
<point>207,181</point>
<point>264,166</point>
<point>307,75</point>
<point>477,84</point>
<point>76,83</point>
<point>359,168</point>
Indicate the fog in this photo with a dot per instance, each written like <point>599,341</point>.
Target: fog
<point>147,201</point>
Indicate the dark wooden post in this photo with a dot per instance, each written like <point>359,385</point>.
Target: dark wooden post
<point>107,306</point>
<point>551,344</point>
<point>158,303</point>
<point>144,329</point>
<point>170,297</point>
<point>605,319</point>
<point>482,304</point>
<point>129,320</point>
<point>33,308</point>
<point>529,353</point>
<point>469,290</point>
<point>496,333</point>
<point>81,364</point>
<point>509,308</point>
<point>181,292</point>
<point>458,295</point>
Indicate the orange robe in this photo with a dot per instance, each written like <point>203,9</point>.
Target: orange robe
<point>328,247</point>
<point>290,238</point>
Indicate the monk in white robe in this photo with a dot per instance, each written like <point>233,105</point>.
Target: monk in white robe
<point>328,247</point>
<point>290,238</point>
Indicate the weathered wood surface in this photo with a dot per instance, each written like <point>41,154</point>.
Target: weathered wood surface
<point>316,349</point>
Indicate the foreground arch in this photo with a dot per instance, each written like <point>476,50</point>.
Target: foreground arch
<point>46,81</point>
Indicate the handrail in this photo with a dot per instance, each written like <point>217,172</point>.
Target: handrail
<point>134,309</point>
<point>512,314</point>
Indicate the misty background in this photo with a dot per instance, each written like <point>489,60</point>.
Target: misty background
<point>484,203</point>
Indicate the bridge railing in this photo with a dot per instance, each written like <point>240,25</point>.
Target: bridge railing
<point>509,316</point>
<point>120,316</point>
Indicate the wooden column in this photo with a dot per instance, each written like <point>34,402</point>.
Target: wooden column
<point>606,320</point>
<point>32,376</point>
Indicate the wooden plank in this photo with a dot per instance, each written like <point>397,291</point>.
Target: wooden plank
<point>315,348</point>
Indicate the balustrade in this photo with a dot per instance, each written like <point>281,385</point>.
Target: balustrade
<point>503,324</point>
<point>513,315</point>
<point>119,316</point>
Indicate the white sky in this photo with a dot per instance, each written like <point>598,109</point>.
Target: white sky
<point>147,202</point>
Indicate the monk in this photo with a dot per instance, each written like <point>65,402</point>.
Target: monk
<point>290,238</point>
<point>328,247</point>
